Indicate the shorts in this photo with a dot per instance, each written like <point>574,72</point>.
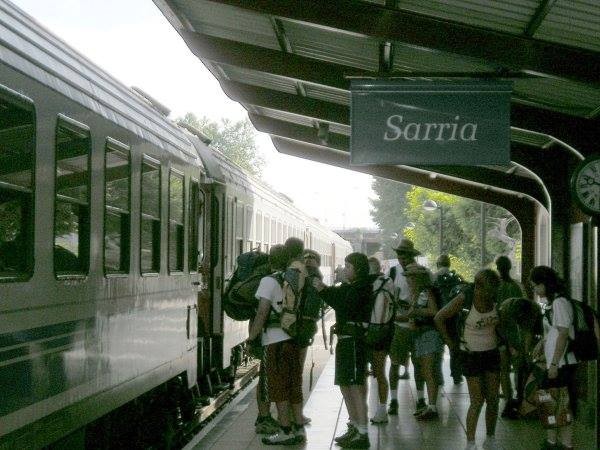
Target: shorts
<point>475,364</point>
<point>401,345</point>
<point>427,342</point>
<point>350,362</point>
<point>563,379</point>
<point>283,370</point>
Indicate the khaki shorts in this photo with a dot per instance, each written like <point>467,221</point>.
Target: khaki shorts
<point>402,343</point>
<point>283,370</point>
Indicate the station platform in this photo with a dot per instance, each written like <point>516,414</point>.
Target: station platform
<point>325,407</point>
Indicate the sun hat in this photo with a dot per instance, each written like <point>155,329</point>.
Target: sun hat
<point>406,246</point>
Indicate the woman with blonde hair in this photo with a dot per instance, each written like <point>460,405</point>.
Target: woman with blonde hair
<point>478,345</point>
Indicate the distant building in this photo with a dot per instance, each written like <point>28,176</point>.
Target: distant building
<point>364,240</point>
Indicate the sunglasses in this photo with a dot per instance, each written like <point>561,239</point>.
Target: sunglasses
<point>310,257</point>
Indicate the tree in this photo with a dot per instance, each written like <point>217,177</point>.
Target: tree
<point>398,205</point>
<point>236,140</point>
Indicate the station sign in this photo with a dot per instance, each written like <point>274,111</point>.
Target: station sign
<point>430,123</point>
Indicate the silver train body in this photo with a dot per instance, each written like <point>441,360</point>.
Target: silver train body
<point>118,231</point>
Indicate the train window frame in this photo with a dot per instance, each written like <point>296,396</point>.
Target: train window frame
<point>84,230</point>
<point>181,240</point>
<point>196,225</point>
<point>157,228</point>
<point>25,103</point>
<point>125,150</point>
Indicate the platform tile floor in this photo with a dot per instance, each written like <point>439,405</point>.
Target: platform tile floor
<point>325,407</point>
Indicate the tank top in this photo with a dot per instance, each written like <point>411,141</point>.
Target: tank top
<point>480,331</point>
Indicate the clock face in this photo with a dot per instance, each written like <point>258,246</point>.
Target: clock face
<point>586,185</point>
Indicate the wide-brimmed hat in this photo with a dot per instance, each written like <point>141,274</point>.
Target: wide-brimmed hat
<point>407,247</point>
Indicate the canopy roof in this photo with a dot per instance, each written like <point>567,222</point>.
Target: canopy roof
<point>288,63</point>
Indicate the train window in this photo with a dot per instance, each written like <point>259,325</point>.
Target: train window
<point>229,221</point>
<point>17,156</point>
<point>176,218</point>
<point>71,207</point>
<point>196,228</point>
<point>248,224</point>
<point>259,226</point>
<point>239,220</point>
<point>117,217</point>
<point>150,216</point>
<point>274,232</point>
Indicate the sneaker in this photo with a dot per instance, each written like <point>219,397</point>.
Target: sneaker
<point>490,443</point>
<point>428,414</point>
<point>280,438</point>
<point>420,406</point>
<point>380,417</point>
<point>300,433</point>
<point>357,441</point>
<point>393,409</point>
<point>266,425</point>
<point>347,435</point>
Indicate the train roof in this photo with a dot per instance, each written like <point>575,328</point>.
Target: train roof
<point>33,50</point>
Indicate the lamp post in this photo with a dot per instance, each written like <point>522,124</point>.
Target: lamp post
<point>430,205</point>
<point>483,234</point>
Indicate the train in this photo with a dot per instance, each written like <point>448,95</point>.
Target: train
<point>118,232</point>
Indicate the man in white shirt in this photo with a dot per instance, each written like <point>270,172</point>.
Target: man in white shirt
<point>282,357</point>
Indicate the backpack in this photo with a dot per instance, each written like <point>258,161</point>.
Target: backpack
<point>381,324</point>
<point>239,301</point>
<point>585,324</point>
<point>293,304</point>
<point>444,285</point>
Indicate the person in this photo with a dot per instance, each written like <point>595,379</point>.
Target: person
<point>560,363</point>
<point>281,355</point>
<point>479,352</point>
<point>509,288</point>
<point>378,354</point>
<point>351,303</point>
<point>402,340</point>
<point>446,281</point>
<point>427,342</point>
<point>521,328</point>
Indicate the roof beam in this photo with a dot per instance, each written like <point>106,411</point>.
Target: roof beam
<point>337,142</point>
<point>383,23</point>
<point>538,17</point>
<point>567,128</point>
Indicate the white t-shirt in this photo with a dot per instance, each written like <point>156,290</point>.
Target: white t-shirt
<point>562,316</point>
<point>270,289</point>
<point>480,331</point>
<point>401,293</point>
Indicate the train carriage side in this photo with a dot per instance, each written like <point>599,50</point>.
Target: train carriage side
<point>98,241</point>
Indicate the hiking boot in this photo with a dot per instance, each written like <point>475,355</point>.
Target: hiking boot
<point>266,425</point>
<point>357,441</point>
<point>420,407</point>
<point>280,438</point>
<point>393,409</point>
<point>351,431</point>
<point>427,414</point>
<point>380,416</point>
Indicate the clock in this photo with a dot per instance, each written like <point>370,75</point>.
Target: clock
<point>585,185</point>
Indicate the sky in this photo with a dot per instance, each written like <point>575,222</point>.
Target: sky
<point>133,42</point>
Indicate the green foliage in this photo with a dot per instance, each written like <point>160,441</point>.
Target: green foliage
<point>236,140</point>
<point>398,205</point>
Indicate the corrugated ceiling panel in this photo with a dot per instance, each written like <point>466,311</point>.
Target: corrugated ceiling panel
<point>573,22</point>
<point>261,79</point>
<point>510,16</point>
<point>411,58</point>
<point>229,22</point>
<point>333,46</point>
<point>327,94</point>
<point>561,95</point>
<point>529,138</point>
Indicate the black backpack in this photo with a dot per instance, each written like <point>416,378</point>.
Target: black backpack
<point>239,302</point>
<point>585,324</point>
<point>444,287</point>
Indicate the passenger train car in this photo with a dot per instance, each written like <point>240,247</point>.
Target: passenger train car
<point>118,232</point>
